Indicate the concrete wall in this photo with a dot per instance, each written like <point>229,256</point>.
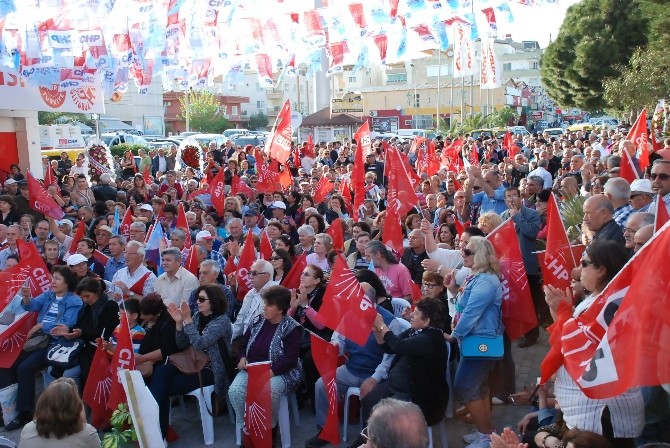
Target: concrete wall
<point>24,124</point>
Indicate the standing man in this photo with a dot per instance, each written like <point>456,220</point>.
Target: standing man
<point>117,260</point>
<point>617,191</point>
<point>492,196</point>
<point>104,191</point>
<point>527,224</point>
<point>175,284</point>
<point>660,184</point>
<point>171,160</point>
<point>205,239</point>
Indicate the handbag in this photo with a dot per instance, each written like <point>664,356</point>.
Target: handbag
<point>483,347</point>
<point>189,361</point>
<point>37,341</point>
<point>65,355</point>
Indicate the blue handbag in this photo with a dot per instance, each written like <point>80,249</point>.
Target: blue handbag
<point>483,347</point>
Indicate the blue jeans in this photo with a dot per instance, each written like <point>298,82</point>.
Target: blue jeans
<point>167,381</point>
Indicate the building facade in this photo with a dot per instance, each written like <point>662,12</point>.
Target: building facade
<point>231,107</point>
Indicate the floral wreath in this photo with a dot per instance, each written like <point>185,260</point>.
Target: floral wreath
<point>190,155</point>
<point>100,158</point>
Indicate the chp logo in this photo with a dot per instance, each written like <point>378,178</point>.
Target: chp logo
<point>53,97</point>
<point>83,97</point>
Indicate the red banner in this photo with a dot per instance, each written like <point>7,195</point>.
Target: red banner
<point>518,311</point>
<point>558,261</point>
<point>345,307</point>
<point>124,228</point>
<point>266,246</point>
<point>98,386</point>
<point>258,407</point>
<point>325,357</point>
<point>323,189</point>
<point>41,201</point>
<point>124,358</point>
<point>363,148</point>
<point>640,138</point>
<point>238,186</point>
<point>280,144</point>
<point>451,156</point>
<point>13,338</point>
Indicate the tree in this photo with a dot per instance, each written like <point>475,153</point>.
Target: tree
<point>203,112</point>
<point>258,121</point>
<point>63,118</point>
<point>596,38</point>
<point>503,117</point>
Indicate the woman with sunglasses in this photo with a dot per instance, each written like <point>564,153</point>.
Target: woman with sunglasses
<point>620,418</point>
<point>305,303</point>
<point>478,312</point>
<point>209,331</point>
<point>281,263</point>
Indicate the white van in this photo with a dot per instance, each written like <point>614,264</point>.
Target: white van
<point>228,133</point>
<point>410,133</point>
<point>604,122</point>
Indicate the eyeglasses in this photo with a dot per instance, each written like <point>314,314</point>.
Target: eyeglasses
<point>275,258</point>
<point>306,274</point>
<point>202,299</point>
<point>429,285</point>
<point>662,176</point>
<point>364,434</point>
<point>586,263</point>
<point>255,273</point>
<point>467,252</point>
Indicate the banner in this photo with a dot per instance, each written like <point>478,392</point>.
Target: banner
<point>258,407</point>
<point>279,147</point>
<point>491,70</point>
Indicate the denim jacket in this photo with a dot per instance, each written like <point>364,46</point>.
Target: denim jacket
<point>68,309</point>
<point>481,302</point>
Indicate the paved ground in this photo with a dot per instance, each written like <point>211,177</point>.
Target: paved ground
<point>188,425</point>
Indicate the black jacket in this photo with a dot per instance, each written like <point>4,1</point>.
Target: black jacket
<point>425,355</point>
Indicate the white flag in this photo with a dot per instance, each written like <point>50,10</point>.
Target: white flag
<point>464,54</point>
<point>491,71</point>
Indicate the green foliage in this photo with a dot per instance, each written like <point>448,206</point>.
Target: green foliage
<point>572,213</point>
<point>503,117</point>
<point>118,150</point>
<point>595,39</point>
<point>203,113</point>
<point>63,118</point>
<point>123,432</point>
<point>258,121</point>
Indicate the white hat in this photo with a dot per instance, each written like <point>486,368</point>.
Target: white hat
<point>10,181</point>
<point>147,207</point>
<point>278,204</point>
<point>75,259</point>
<point>641,186</point>
<point>104,228</point>
<point>66,222</point>
<point>203,235</point>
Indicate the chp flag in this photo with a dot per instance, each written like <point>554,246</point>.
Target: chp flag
<point>40,200</point>
<point>279,146</point>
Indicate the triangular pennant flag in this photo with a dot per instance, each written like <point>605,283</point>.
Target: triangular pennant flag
<point>266,246</point>
<point>626,168</point>
<point>78,235</point>
<point>217,192</point>
<point>192,264</point>
<point>292,279</point>
<point>323,189</point>
<point>124,358</point>
<point>182,224</point>
<point>661,215</point>
<point>640,138</point>
<point>124,229</point>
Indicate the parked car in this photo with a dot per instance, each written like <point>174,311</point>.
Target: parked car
<point>205,139</point>
<point>484,133</point>
<point>249,140</point>
<point>518,130</point>
<point>119,138</point>
<point>230,132</point>
<point>554,132</point>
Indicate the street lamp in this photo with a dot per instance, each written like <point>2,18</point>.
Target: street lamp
<point>415,102</point>
<point>96,118</point>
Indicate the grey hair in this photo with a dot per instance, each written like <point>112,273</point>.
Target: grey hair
<point>307,230</point>
<point>537,179</point>
<point>139,225</point>
<point>378,246</point>
<point>141,248</point>
<point>202,250</point>
<point>212,264</point>
<point>179,234</point>
<point>121,238</point>
<point>265,267</point>
<point>190,213</point>
<point>18,227</point>
<point>647,218</point>
<point>543,163</point>
<point>397,424</point>
<point>237,220</point>
<point>172,252</point>
<point>618,188</point>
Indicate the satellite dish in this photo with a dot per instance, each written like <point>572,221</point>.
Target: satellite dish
<point>398,108</point>
<point>296,119</point>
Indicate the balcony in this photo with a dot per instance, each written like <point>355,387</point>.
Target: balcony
<point>236,117</point>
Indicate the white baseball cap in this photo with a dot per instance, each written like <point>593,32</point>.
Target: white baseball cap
<point>75,259</point>
<point>278,204</point>
<point>147,207</point>
<point>203,235</point>
<point>641,186</point>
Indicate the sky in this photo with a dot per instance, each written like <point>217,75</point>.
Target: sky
<point>538,23</point>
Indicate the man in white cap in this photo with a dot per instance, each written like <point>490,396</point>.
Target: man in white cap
<point>278,210</point>
<point>135,280</point>
<point>206,239</point>
<point>175,284</point>
<point>11,187</point>
<point>147,212</point>
<point>641,194</point>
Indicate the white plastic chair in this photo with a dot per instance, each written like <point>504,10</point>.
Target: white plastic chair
<point>283,422</point>
<point>399,305</point>
<point>204,403</point>
<point>450,382</point>
<point>404,324</point>
<point>352,391</point>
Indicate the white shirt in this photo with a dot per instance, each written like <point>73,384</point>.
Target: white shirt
<point>544,174</point>
<point>124,275</point>
<point>252,307</point>
<point>178,288</point>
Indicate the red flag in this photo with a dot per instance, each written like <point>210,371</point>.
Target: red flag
<point>638,135</point>
<point>661,215</point>
<point>230,266</point>
<point>244,266</point>
<point>13,337</point>
<point>345,307</point>
<point>216,190</point>
<point>98,385</point>
<point>345,192</point>
<point>619,341</point>
<point>182,224</point>
<point>268,181</point>
<point>198,192</point>
<point>192,264</point>
<point>416,292</point>
<point>266,246</point>
<point>280,144</point>
<point>292,279</point>
<point>41,201</point>
<point>238,186</point>
<point>258,406</point>
<point>33,267</point>
<point>363,147</point>
<point>50,177</point>
<point>518,311</point>
<point>451,158</point>
<point>427,162</point>
<point>508,144</point>
<point>336,233</point>
<point>147,175</point>
<point>285,178</point>
<point>325,356</point>
<point>459,227</point>
<point>308,151</point>
<point>626,168</point>
<point>323,189</point>
<point>124,228</point>
<point>79,234</point>
<point>558,261</point>
<point>400,187</point>
<point>414,179</point>
<point>392,231</point>
<point>124,358</point>
<point>99,256</point>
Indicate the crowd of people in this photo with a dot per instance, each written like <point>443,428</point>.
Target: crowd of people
<point>448,272</point>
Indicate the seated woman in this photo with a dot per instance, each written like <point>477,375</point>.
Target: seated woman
<point>275,337</point>
<point>60,420</point>
<point>418,372</point>
<point>58,306</point>
<point>159,340</point>
<point>210,331</point>
<point>99,316</point>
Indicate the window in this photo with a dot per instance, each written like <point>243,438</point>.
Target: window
<point>534,65</point>
<point>424,121</point>
<point>396,78</point>
<point>352,79</point>
<point>260,104</point>
<point>417,100</point>
<point>233,110</point>
<point>507,67</point>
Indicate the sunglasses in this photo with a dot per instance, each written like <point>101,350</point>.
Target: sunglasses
<point>275,258</point>
<point>662,176</point>
<point>202,299</point>
<point>255,273</point>
<point>306,274</point>
<point>467,252</point>
<point>586,263</point>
